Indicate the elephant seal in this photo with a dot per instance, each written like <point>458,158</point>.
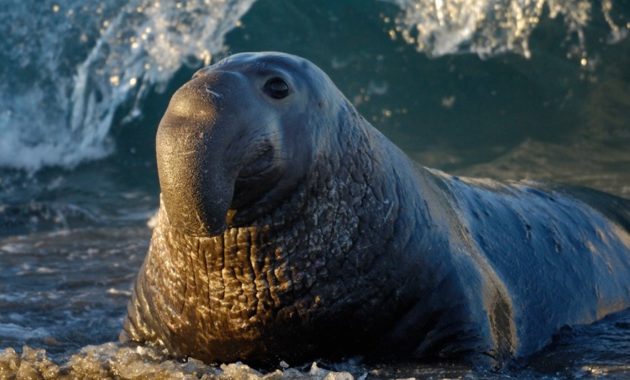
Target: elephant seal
<point>290,228</point>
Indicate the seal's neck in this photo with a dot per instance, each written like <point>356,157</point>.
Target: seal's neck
<point>342,245</point>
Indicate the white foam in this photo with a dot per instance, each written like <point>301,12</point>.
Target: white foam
<point>118,292</point>
<point>491,27</point>
<point>64,118</point>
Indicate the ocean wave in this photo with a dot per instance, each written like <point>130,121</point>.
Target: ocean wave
<point>13,330</point>
<point>491,27</point>
<point>73,68</point>
<point>69,68</point>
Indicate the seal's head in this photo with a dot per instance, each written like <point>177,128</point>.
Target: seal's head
<point>238,137</point>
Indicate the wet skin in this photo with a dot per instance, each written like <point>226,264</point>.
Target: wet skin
<point>289,228</point>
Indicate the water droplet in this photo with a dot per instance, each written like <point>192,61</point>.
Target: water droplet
<point>56,8</point>
<point>133,81</point>
<point>114,80</point>
<point>448,101</point>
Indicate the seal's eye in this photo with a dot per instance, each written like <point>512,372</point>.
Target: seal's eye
<point>276,88</point>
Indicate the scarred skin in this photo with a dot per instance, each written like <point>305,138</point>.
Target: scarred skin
<point>290,228</point>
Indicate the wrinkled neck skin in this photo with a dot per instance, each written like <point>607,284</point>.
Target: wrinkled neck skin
<point>336,268</point>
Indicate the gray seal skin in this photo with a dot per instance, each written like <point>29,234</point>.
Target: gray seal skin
<point>289,228</point>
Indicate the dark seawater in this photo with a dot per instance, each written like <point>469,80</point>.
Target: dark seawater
<point>489,88</point>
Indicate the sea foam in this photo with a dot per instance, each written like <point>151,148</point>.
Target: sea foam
<point>70,68</point>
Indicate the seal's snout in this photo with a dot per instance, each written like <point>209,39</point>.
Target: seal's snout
<point>196,100</point>
<point>196,185</point>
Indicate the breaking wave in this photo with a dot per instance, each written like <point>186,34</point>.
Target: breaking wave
<point>73,68</point>
<point>491,27</point>
<point>86,60</point>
